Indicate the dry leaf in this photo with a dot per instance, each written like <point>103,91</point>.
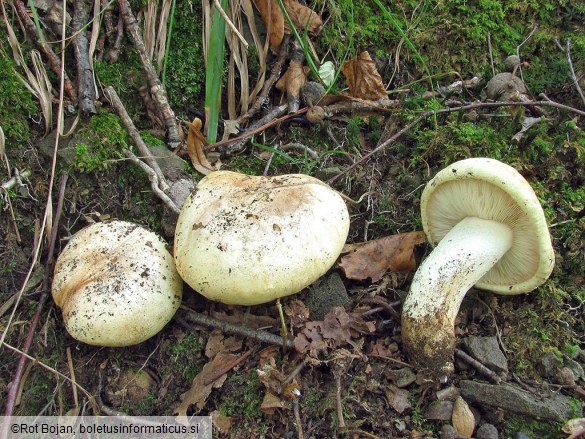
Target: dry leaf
<point>302,16</point>
<point>223,423</point>
<point>363,79</point>
<point>462,418</point>
<point>198,393</point>
<point>373,259</point>
<point>274,19</point>
<point>337,329</point>
<point>291,83</point>
<point>297,312</point>
<point>195,143</point>
<point>397,398</point>
<point>272,402</point>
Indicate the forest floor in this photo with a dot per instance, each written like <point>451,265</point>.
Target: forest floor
<point>377,150</point>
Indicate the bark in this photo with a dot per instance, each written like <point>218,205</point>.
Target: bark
<point>85,83</point>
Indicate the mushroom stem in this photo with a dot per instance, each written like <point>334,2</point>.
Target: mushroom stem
<point>459,261</point>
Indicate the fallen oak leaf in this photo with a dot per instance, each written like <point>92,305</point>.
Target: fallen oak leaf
<point>363,79</point>
<point>195,145</point>
<point>374,258</point>
<point>199,391</point>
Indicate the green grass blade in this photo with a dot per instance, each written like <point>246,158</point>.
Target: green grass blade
<point>214,72</point>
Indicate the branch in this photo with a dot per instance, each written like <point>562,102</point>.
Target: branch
<point>230,328</point>
<point>85,84</point>
<point>573,76</point>
<point>429,113</point>
<point>156,88</point>
<point>54,60</point>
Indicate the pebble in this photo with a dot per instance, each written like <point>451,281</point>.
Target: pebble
<point>487,431</point>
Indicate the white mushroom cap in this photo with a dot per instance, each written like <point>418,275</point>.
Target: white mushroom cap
<point>116,284</point>
<point>489,189</point>
<point>248,240</point>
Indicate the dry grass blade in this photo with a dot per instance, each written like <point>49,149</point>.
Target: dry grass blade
<point>261,47</point>
<point>238,59</point>
<point>156,17</point>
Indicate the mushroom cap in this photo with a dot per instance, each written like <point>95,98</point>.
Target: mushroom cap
<point>247,240</point>
<point>491,190</point>
<point>116,284</point>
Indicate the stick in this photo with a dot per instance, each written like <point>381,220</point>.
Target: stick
<point>54,60</point>
<point>225,369</point>
<point>429,113</point>
<point>274,75</point>
<point>13,389</point>
<point>85,84</point>
<point>573,76</point>
<point>485,371</point>
<point>154,181</point>
<point>156,88</point>
<point>230,328</point>
<point>142,148</point>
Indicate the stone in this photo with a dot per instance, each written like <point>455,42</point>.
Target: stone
<point>487,351</point>
<point>326,295</point>
<point>403,377</point>
<point>487,431</point>
<point>549,365</point>
<point>575,367</point>
<point>448,432</point>
<point>565,376</point>
<point>556,407</point>
<point>439,410</point>
<point>448,393</point>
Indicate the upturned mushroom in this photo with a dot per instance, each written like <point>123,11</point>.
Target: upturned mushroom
<point>488,230</point>
<point>116,284</point>
<point>247,240</point>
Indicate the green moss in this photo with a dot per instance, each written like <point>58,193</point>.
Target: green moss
<point>185,357</point>
<point>246,400</point>
<point>185,74</point>
<point>531,427</point>
<point>104,139</point>
<point>17,104</point>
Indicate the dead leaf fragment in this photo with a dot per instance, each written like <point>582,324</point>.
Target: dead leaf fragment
<point>363,79</point>
<point>274,19</point>
<point>195,145</point>
<point>373,259</point>
<point>462,418</point>
<point>223,423</point>
<point>291,83</point>
<point>302,16</point>
<point>397,398</point>
<point>199,391</point>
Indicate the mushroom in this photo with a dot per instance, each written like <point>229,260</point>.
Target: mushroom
<point>116,284</point>
<point>246,240</point>
<point>488,230</point>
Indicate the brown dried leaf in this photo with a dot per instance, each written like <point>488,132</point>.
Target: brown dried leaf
<point>462,418</point>
<point>397,398</point>
<point>297,312</point>
<point>291,83</point>
<point>336,326</point>
<point>310,340</point>
<point>195,143</point>
<point>198,393</point>
<point>363,79</point>
<point>272,402</point>
<point>274,19</point>
<point>373,259</point>
<point>302,16</point>
<point>223,423</point>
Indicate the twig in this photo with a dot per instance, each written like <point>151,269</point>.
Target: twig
<point>142,148</point>
<point>225,369</point>
<point>298,421</point>
<point>573,76</point>
<point>274,75</point>
<point>429,113</point>
<point>7,185</point>
<point>13,390</point>
<point>489,40</point>
<point>383,357</point>
<point>156,88</point>
<point>54,60</point>
<point>338,402</point>
<point>230,328</point>
<point>114,52</point>
<point>383,303</point>
<point>85,84</point>
<point>154,181</point>
<point>481,368</point>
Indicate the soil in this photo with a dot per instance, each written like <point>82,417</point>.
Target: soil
<point>360,384</point>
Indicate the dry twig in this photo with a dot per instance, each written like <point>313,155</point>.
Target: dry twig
<point>481,368</point>
<point>573,75</point>
<point>156,88</point>
<point>85,83</point>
